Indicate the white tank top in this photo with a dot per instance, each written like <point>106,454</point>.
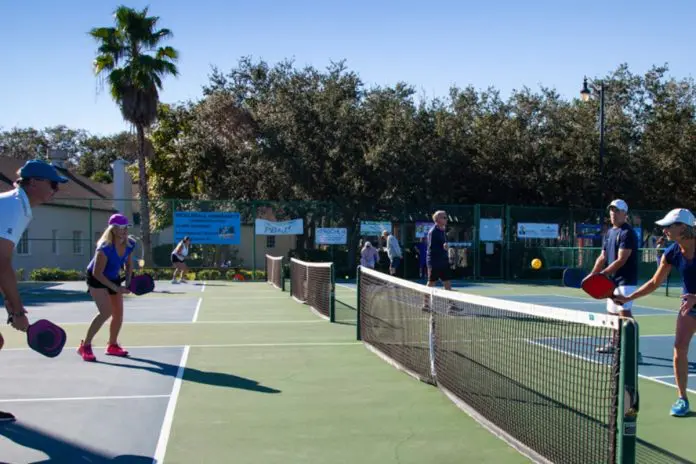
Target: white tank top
<point>184,251</point>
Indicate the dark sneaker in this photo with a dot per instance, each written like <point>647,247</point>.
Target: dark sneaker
<point>6,417</point>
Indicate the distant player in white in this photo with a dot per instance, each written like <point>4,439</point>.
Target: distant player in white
<point>179,254</point>
<point>37,183</point>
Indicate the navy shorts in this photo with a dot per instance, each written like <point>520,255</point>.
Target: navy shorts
<point>395,263</point>
<point>439,273</point>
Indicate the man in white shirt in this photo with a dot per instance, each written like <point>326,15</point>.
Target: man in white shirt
<point>393,251</point>
<point>37,183</point>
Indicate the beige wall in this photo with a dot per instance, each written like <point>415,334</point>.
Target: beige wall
<point>283,244</point>
<point>63,251</point>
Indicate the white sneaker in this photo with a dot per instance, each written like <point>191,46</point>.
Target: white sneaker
<point>174,281</point>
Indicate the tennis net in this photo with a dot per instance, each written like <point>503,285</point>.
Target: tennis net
<point>530,374</point>
<point>313,284</point>
<point>274,271</point>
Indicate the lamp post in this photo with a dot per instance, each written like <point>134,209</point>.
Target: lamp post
<point>585,96</point>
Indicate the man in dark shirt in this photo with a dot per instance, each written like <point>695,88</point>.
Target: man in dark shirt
<point>436,257</point>
<point>620,254</point>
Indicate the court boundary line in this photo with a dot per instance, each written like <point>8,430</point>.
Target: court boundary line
<point>671,376</point>
<point>165,430</point>
<point>218,345</point>
<point>82,398</point>
<point>641,376</point>
<point>198,309</point>
<point>251,322</point>
<point>592,299</point>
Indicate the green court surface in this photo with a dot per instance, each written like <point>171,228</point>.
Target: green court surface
<point>267,381</point>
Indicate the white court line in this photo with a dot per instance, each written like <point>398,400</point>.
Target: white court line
<point>656,380</point>
<point>242,297</point>
<point>82,398</point>
<point>667,376</point>
<point>585,300</point>
<point>354,287</point>
<point>308,321</point>
<point>169,415</point>
<point>203,287</point>
<point>222,345</point>
<point>642,376</point>
<point>198,308</point>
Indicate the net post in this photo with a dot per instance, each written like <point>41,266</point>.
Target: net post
<point>332,295</point>
<point>357,324</point>
<point>282,274</point>
<point>628,393</point>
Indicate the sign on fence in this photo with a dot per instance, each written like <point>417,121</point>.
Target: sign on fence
<point>374,227</point>
<point>331,236</point>
<point>537,230</point>
<point>210,228</point>
<point>291,227</point>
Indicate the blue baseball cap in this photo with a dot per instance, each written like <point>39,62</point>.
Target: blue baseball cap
<point>39,169</point>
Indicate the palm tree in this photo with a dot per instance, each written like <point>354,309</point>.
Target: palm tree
<point>134,63</point>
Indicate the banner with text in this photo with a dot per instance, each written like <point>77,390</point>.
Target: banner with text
<point>374,227</point>
<point>210,228</point>
<point>537,230</point>
<point>291,227</point>
<point>331,236</point>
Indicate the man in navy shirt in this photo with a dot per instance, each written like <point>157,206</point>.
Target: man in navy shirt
<point>620,254</point>
<point>436,256</point>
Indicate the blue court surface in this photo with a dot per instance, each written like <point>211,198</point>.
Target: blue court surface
<point>656,350</point>
<point>109,411</point>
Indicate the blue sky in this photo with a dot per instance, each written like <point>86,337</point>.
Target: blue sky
<point>46,54</point>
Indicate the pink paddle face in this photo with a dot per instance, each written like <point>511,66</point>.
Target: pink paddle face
<point>46,338</point>
<point>598,286</point>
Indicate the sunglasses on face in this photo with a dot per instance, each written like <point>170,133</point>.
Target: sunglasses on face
<point>120,226</point>
<point>53,183</point>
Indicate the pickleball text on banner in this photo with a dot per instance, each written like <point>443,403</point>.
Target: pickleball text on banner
<point>291,227</point>
<point>211,228</point>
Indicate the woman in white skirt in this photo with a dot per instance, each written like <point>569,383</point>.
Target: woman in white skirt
<point>178,257</point>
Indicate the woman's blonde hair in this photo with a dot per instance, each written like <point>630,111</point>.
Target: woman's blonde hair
<point>107,238</point>
<point>438,213</point>
<point>689,231</point>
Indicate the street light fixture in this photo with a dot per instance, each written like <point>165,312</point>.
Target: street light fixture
<point>585,94</point>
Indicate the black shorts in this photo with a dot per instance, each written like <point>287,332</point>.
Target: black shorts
<point>439,273</point>
<point>94,283</point>
<point>176,259</point>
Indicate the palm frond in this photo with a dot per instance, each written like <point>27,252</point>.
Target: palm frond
<point>132,57</point>
<point>104,63</point>
<point>167,52</point>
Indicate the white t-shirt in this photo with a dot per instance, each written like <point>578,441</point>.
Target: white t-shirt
<point>393,248</point>
<point>15,214</point>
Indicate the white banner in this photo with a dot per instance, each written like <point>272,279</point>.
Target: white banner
<point>331,236</point>
<point>534,230</point>
<point>374,227</point>
<point>291,227</point>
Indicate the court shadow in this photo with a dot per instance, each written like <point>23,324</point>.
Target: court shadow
<point>217,379</point>
<point>48,297</point>
<point>59,449</point>
<point>665,362</point>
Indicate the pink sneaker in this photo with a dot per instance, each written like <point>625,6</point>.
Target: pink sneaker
<point>86,352</point>
<point>116,350</point>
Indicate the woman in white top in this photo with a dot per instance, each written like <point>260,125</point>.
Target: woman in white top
<point>369,256</point>
<point>178,256</point>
